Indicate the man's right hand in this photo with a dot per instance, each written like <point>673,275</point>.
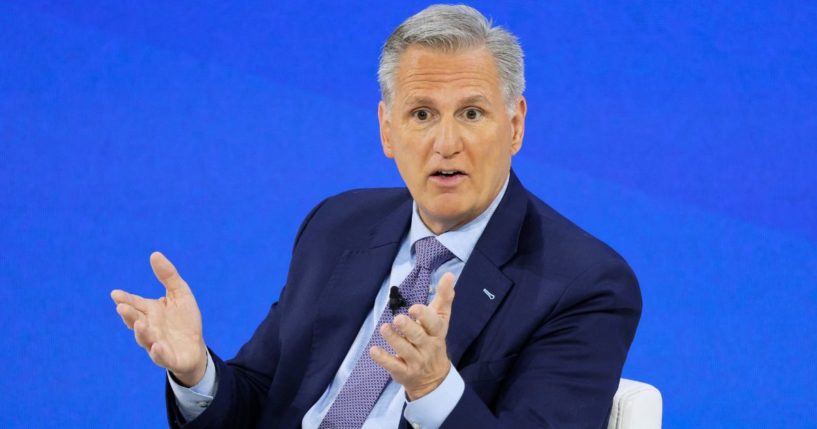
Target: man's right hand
<point>168,328</point>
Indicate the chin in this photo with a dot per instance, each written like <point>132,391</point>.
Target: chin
<point>451,212</point>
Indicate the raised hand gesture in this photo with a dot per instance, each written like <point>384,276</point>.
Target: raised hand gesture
<point>168,328</point>
<point>421,363</point>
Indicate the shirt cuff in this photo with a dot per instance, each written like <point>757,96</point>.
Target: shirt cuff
<point>194,400</point>
<point>430,411</point>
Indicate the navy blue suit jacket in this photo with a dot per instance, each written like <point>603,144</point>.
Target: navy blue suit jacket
<point>546,351</point>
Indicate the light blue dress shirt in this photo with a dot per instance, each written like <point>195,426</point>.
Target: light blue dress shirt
<point>431,410</point>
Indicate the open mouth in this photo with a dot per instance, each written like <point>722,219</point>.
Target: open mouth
<point>448,179</point>
<point>448,173</point>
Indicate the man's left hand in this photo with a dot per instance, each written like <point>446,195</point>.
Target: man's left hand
<point>421,362</point>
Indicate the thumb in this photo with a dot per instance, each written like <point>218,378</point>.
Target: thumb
<point>445,297</point>
<point>159,355</point>
<point>167,274</point>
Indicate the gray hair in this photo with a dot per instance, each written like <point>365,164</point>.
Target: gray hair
<point>450,28</point>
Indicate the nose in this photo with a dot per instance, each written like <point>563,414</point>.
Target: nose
<point>447,139</point>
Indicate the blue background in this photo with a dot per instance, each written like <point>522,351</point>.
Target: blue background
<point>685,135</point>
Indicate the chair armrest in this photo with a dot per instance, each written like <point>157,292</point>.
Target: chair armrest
<point>636,405</point>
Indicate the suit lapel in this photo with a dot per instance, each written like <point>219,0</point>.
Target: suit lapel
<point>482,285</point>
<point>479,292</point>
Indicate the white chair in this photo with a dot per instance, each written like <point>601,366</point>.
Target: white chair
<point>636,405</point>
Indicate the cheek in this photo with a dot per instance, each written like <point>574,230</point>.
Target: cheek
<point>412,146</point>
<point>409,162</point>
<point>492,149</point>
<point>491,160</point>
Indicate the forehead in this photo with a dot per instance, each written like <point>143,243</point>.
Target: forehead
<point>426,72</point>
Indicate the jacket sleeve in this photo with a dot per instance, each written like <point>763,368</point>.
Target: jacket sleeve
<point>244,381</point>
<point>568,371</point>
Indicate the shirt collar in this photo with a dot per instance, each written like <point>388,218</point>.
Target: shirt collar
<point>462,240</point>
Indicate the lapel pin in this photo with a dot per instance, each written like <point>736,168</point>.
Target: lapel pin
<point>490,295</point>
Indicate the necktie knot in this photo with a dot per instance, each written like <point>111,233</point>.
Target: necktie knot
<point>430,253</point>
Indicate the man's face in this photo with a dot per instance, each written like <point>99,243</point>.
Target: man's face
<point>449,132</point>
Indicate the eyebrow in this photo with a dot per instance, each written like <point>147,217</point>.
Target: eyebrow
<point>479,98</point>
<point>413,101</point>
<point>473,99</point>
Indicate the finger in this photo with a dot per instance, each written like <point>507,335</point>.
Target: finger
<point>445,297</point>
<point>167,274</point>
<point>128,314</point>
<point>431,322</point>
<point>392,364</point>
<point>135,301</point>
<point>158,354</point>
<point>145,336</point>
<point>411,330</point>
<point>401,346</point>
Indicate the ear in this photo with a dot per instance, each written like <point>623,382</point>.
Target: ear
<point>518,124</point>
<point>385,129</point>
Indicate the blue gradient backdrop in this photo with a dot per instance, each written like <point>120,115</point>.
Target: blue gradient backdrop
<point>682,133</point>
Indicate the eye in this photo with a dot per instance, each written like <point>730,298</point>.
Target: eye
<point>472,114</point>
<point>421,115</point>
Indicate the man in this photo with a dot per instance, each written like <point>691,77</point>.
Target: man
<point>367,332</point>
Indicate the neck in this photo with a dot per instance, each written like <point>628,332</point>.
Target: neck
<point>441,226</point>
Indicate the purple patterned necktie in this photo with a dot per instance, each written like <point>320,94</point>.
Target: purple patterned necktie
<point>367,380</point>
